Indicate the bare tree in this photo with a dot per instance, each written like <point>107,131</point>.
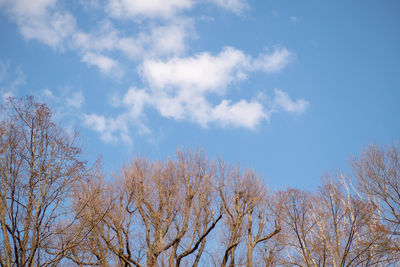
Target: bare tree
<point>174,207</point>
<point>348,226</point>
<point>94,203</point>
<point>39,164</point>
<point>270,250</point>
<point>262,225</point>
<point>248,213</point>
<point>332,227</point>
<point>302,245</point>
<point>378,176</point>
<point>202,210</point>
<point>56,211</point>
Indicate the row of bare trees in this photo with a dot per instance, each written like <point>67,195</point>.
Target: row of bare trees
<point>184,211</point>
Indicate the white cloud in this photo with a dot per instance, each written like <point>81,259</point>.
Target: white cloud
<point>283,101</point>
<point>293,18</point>
<point>39,20</point>
<point>178,86</point>
<point>96,122</point>
<point>165,8</point>
<point>27,7</point>
<point>49,95</point>
<point>171,107</point>
<point>106,64</point>
<point>76,100</point>
<point>200,73</point>
<point>158,41</point>
<point>114,129</point>
<point>147,8</point>
<point>10,81</point>
<point>104,39</point>
<point>206,72</point>
<point>136,99</point>
<point>273,62</point>
<point>111,130</point>
<point>168,39</point>
<point>241,114</point>
<point>66,105</point>
<point>179,89</point>
<point>236,6</point>
<point>51,30</point>
<point>88,4</point>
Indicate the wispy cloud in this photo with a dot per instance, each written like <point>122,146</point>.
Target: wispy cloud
<point>10,80</point>
<point>162,40</point>
<point>110,129</point>
<point>65,101</point>
<point>76,100</point>
<point>165,8</point>
<point>284,102</point>
<point>116,129</point>
<point>106,64</point>
<point>281,101</point>
<point>273,62</point>
<point>49,95</point>
<point>67,105</point>
<point>236,6</point>
<point>147,8</point>
<point>241,114</point>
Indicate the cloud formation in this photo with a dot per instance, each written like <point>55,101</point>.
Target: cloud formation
<point>273,62</point>
<point>165,8</point>
<point>106,64</point>
<point>283,101</point>
<point>76,100</point>
<point>205,72</point>
<point>159,41</point>
<point>200,73</point>
<point>178,85</point>
<point>236,6</point>
<point>180,88</point>
<point>41,20</point>
<point>147,8</point>
<point>9,80</point>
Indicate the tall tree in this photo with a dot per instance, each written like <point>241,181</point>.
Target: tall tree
<point>248,213</point>
<point>332,227</point>
<point>156,213</point>
<point>39,164</point>
<point>348,226</point>
<point>377,171</point>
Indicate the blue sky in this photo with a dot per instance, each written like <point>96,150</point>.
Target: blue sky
<point>291,89</point>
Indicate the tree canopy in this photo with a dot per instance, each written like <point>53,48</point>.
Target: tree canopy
<point>187,210</point>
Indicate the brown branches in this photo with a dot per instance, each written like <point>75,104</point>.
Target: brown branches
<point>184,211</point>
<point>39,164</point>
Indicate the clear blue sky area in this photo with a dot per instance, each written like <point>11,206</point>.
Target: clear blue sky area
<point>291,89</point>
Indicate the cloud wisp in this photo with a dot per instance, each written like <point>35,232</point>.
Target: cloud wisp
<point>140,9</point>
<point>10,80</point>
